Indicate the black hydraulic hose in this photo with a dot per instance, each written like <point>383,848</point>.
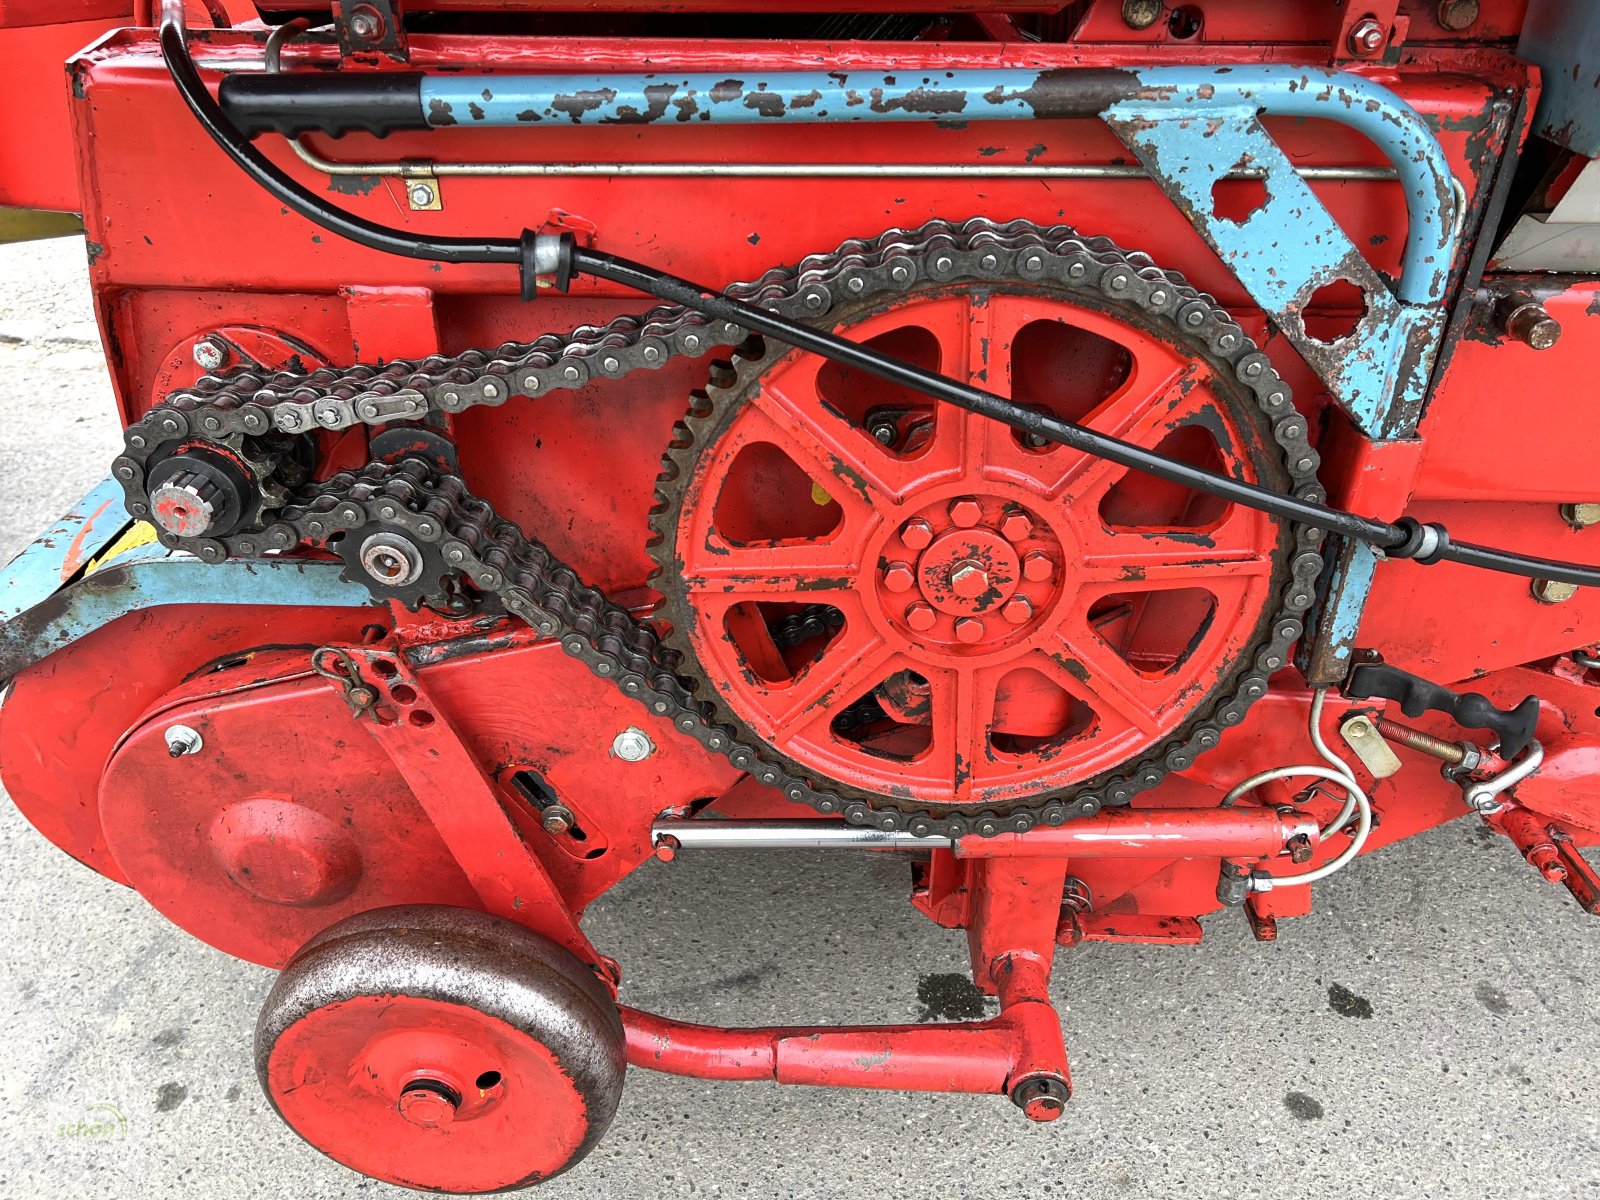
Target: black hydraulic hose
<point>1407,539</point>
<point>175,53</point>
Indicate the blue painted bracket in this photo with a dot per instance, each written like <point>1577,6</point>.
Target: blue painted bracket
<point>1192,126</point>
<point>47,603</point>
<point>1189,126</point>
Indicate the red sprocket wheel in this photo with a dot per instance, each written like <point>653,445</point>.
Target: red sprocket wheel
<point>442,1049</point>
<point>990,619</point>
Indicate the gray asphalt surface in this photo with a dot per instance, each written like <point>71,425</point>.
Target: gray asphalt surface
<point>1430,1031</point>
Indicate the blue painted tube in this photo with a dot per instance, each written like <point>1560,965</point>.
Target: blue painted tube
<point>732,98</point>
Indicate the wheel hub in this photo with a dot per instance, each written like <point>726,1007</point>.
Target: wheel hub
<point>968,575</point>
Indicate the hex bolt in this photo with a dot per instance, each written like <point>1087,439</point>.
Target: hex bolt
<point>884,435</point>
<point>969,580</point>
<point>1140,14</point>
<point>916,533</point>
<point>1367,37</point>
<point>921,617</point>
<point>1525,320</point>
<point>966,511</point>
<point>422,195</point>
<point>364,26</point>
<point>182,741</point>
<point>1581,516</point>
<point>1017,610</point>
<point>969,630</point>
<point>210,353</point>
<point>1037,567</point>
<point>556,819</point>
<point>1553,591</point>
<point>1015,523</point>
<point>898,577</point>
<point>633,745</point>
<point>1456,15</point>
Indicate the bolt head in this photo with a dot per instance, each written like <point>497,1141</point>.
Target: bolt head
<point>969,580</point>
<point>556,820</point>
<point>633,745</point>
<point>209,354</point>
<point>1140,14</point>
<point>421,195</point>
<point>969,630</point>
<point>1550,591</point>
<point>1367,36</point>
<point>1017,610</point>
<point>884,435</point>
<point>1456,15</point>
<point>1581,516</point>
<point>898,577</point>
<point>916,533</point>
<point>1037,567</point>
<point>921,617</point>
<point>364,26</point>
<point>966,512</point>
<point>1015,524</point>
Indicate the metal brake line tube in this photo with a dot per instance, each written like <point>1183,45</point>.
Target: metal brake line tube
<point>1427,543</point>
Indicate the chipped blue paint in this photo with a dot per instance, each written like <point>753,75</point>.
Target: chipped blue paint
<point>61,551</point>
<point>46,603</point>
<point>728,97</point>
<point>1190,127</point>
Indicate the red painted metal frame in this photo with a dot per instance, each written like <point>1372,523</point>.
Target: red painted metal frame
<point>430,809</point>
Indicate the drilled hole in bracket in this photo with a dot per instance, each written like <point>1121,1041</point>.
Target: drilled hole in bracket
<point>1334,311</point>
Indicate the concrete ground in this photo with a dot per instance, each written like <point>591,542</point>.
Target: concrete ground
<point>1429,1032</point>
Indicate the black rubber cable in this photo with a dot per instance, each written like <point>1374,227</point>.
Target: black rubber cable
<point>1397,540</point>
<point>175,53</point>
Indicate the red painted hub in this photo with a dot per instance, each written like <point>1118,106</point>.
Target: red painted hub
<point>421,1092</point>
<point>1024,617</point>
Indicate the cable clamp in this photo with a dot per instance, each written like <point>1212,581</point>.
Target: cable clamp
<point>546,256</point>
<point>1425,543</point>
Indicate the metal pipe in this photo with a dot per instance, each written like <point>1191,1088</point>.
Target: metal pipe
<point>1111,833</point>
<point>412,168</point>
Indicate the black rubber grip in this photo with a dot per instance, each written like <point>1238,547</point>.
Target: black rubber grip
<point>1416,696</point>
<point>378,102</point>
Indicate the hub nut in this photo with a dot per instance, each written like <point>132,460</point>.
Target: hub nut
<point>969,580</point>
<point>966,512</point>
<point>921,617</point>
<point>429,1103</point>
<point>916,533</point>
<point>969,630</point>
<point>898,577</point>
<point>391,560</point>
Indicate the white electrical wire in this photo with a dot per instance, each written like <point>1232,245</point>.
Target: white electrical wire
<point>1337,772</point>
